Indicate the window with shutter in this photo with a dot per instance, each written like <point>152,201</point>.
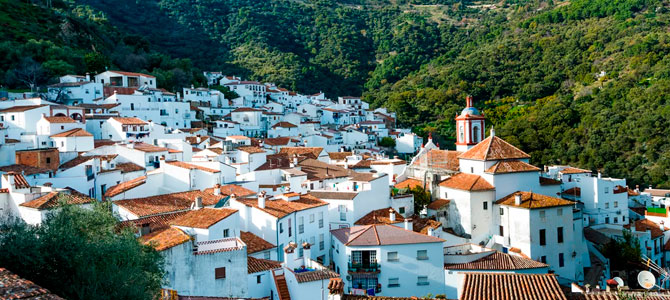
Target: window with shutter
<point>220,273</point>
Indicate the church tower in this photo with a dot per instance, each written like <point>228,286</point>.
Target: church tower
<point>469,127</point>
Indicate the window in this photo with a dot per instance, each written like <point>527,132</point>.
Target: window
<point>561,262</point>
<point>475,134</point>
<point>422,280</point>
<point>607,220</point>
<point>486,205</point>
<point>502,230</point>
<point>607,190</point>
<point>394,282</point>
<point>445,195</point>
<point>422,254</point>
<point>12,117</point>
<point>343,212</point>
<point>48,160</point>
<point>258,279</point>
<point>281,227</point>
<point>289,227</point>
<point>502,211</point>
<point>543,215</point>
<point>401,210</point>
<point>220,273</point>
<point>559,212</point>
<point>615,220</point>
<point>559,234</point>
<point>226,233</point>
<point>616,204</point>
<point>301,225</point>
<point>543,240</point>
<point>266,255</point>
<point>392,256</point>
<point>311,218</point>
<point>472,169</point>
<point>461,132</point>
<point>322,242</point>
<point>320,219</point>
<point>543,259</point>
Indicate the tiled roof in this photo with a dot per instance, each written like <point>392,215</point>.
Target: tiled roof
<point>498,261</point>
<point>467,182</point>
<point>255,243</point>
<point>129,121</point>
<point>281,208</point>
<point>380,216</point>
<point>100,143</point>
<point>237,137</point>
<point>14,287</point>
<point>437,204</point>
<point>571,170</point>
<point>334,195</point>
<point>245,109</point>
<point>76,161</point>
<point>166,203</point>
<point>408,183</point>
<point>185,165</point>
<point>532,200</point>
<point>21,108</point>
<point>511,166</point>
<point>279,141</point>
<point>318,170</point>
<point>626,295</point>
<point>315,275</point>
<point>255,265</point>
<point>154,222</point>
<point>52,199</point>
<point>60,119</point>
<point>166,238</point>
<point>362,164</point>
<point>125,186</point>
<point>251,149</point>
<point>439,159</point>
<point>575,191</point>
<point>144,147</point>
<point>338,155</point>
<point>230,189</point>
<point>646,224</point>
<point>77,132</point>
<point>284,125</point>
<point>374,235</point>
<point>504,286</point>
<point>549,181</point>
<point>24,169</point>
<point>311,152</point>
<point>203,218</point>
<point>365,297</point>
<point>493,148</point>
<point>129,167</point>
<point>421,225</point>
<point>20,182</point>
<point>132,74</point>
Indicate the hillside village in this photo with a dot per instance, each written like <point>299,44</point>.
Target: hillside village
<point>278,195</point>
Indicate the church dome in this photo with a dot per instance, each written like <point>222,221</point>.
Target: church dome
<point>470,111</point>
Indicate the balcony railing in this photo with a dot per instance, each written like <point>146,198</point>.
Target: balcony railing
<point>364,267</point>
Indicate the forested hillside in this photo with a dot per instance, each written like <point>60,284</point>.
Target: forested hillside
<point>582,82</point>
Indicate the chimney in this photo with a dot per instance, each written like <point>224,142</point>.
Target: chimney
<point>468,101</point>
<point>261,199</point>
<point>233,197</point>
<point>408,224</point>
<point>391,214</point>
<point>217,189</point>
<point>307,255</point>
<point>197,204</point>
<point>289,251</point>
<point>517,199</point>
<point>493,131</point>
<point>430,231</point>
<point>88,76</point>
<point>192,86</point>
<point>599,175</point>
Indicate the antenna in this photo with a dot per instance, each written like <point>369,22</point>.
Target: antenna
<point>646,279</point>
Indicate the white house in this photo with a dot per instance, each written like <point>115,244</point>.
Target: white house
<point>125,79</point>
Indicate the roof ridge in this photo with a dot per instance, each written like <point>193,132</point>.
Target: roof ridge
<point>488,148</point>
<point>357,235</point>
<point>374,227</point>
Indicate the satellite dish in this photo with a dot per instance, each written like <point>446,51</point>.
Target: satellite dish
<point>618,280</point>
<point>646,279</point>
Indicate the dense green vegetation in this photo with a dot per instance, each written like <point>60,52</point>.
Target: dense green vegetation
<point>80,254</point>
<point>581,82</point>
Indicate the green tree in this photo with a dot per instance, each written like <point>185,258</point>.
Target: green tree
<point>624,253</point>
<point>80,254</point>
<point>387,142</point>
<point>421,198</point>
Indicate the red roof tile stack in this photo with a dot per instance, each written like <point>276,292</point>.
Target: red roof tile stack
<point>255,243</point>
<point>494,148</point>
<point>203,218</point>
<point>504,286</point>
<point>166,238</point>
<point>532,200</point>
<point>14,287</point>
<point>467,182</point>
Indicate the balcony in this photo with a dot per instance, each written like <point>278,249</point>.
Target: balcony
<point>363,267</point>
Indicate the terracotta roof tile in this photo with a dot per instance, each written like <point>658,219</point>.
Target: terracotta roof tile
<point>251,149</point>
<point>439,159</point>
<point>437,204</point>
<point>203,218</point>
<point>77,132</point>
<point>60,119</point>
<point>129,121</point>
<point>125,186</point>
<point>255,265</point>
<point>646,224</point>
<point>21,108</point>
<point>408,183</point>
<point>497,261</point>
<point>129,167</point>
<point>144,147</point>
<point>467,182</point>
<point>132,74</point>
<point>374,235</point>
<point>315,275</point>
<point>533,200</point>
<point>318,170</point>
<point>24,169</point>
<point>255,243</point>
<point>493,148</point>
<point>166,203</point>
<point>229,189</point>
<point>237,137</point>
<point>279,141</point>
<point>380,216</point>
<point>166,238</point>
<point>503,286</point>
<point>549,181</point>
<point>626,295</point>
<point>185,165</point>
<point>281,208</point>
<point>575,191</point>
<point>511,166</point>
<point>334,195</point>
<point>52,200</point>
<point>338,155</point>
<point>20,182</point>
<point>571,170</point>
<point>14,287</point>
<point>155,223</point>
<point>284,125</point>
<point>311,152</point>
<point>421,225</point>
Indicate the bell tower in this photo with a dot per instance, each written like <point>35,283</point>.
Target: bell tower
<point>469,126</point>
